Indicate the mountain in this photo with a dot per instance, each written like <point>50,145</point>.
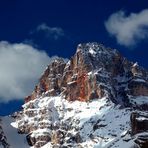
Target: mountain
<point>98,99</point>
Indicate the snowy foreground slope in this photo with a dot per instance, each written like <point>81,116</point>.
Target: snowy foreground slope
<point>99,123</point>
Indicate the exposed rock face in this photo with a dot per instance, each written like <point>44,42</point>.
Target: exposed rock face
<point>94,72</point>
<point>86,69</point>
<point>138,87</point>
<point>142,140</point>
<point>39,141</point>
<point>50,81</point>
<point>139,125</point>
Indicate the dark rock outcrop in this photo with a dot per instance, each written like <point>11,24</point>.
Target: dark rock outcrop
<point>142,140</point>
<point>3,138</point>
<point>139,127</point>
<point>139,123</point>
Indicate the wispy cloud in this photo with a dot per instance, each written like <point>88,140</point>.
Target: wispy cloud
<point>50,32</point>
<point>128,30</point>
<point>21,65</point>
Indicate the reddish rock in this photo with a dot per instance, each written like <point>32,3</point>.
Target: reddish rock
<point>76,79</point>
<point>50,80</point>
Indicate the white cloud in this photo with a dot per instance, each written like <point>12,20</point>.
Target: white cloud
<point>52,32</point>
<point>130,29</point>
<point>20,67</point>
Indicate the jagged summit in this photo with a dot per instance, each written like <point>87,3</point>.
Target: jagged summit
<point>95,52</point>
<point>93,72</point>
<point>93,45</point>
<point>87,101</point>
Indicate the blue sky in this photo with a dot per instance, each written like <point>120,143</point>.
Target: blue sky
<point>32,31</point>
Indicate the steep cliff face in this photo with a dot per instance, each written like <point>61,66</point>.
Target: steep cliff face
<point>85,102</point>
<point>50,81</point>
<point>93,72</point>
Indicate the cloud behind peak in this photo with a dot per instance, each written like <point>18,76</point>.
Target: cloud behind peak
<point>128,30</point>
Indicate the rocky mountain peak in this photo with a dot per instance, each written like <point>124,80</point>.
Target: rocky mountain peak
<point>93,72</point>
<point>87,102</point>
<point>97,47</point>
<point>98,56</point>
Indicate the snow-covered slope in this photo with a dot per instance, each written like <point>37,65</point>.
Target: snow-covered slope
<point>14,139</point>
<point>96,124</point>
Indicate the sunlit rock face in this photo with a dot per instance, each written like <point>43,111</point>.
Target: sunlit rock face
<point>74,101</point>
<point>50,81</point>
<point>93,72</point>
